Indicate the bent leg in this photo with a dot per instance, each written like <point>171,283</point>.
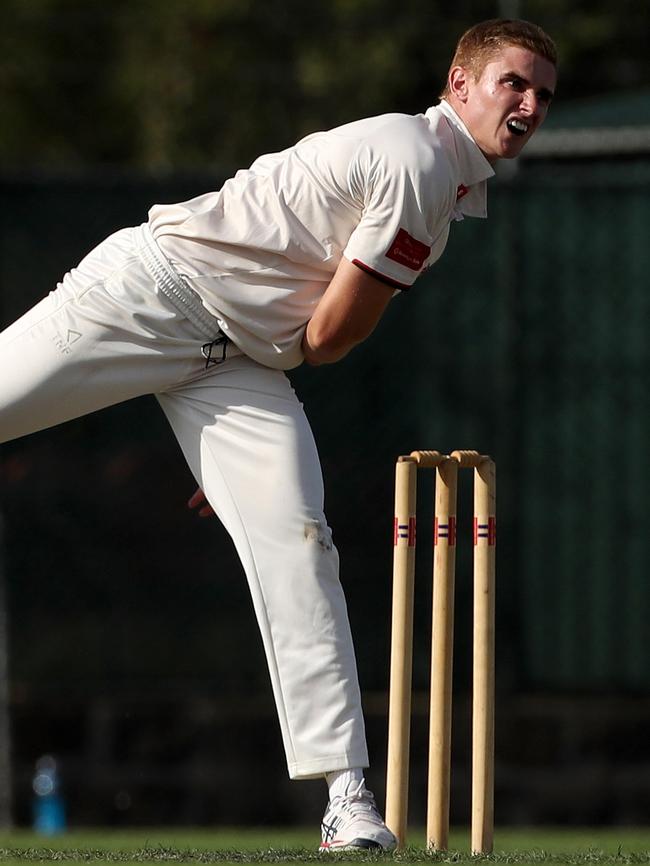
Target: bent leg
<point>102,337</point>
<point>247,440</point>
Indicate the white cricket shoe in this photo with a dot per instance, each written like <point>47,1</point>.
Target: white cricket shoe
<point>353,823</point>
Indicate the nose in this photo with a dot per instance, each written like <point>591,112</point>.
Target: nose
<point>530,103</point>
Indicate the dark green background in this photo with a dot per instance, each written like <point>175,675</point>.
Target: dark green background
<point>134,655</point>
<point>130,620</point>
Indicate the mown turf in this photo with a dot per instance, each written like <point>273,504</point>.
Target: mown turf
<point>576,847</point>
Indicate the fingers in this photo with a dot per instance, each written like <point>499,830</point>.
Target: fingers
<point>198,500</point>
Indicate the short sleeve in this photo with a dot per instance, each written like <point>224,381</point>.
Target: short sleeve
<point>405,211</point>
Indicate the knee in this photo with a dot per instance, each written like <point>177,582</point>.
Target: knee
<point>318,532</point>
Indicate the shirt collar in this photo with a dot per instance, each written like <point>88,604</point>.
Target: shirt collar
<point>474,169</point>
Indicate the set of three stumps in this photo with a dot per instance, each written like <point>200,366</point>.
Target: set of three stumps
<point>483,663</point>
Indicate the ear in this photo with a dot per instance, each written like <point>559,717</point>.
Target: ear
<point>458,82</point>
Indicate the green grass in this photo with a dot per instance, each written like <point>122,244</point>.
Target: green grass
<point>582,847</point>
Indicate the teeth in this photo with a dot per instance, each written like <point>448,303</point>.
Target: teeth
<point>518,126</point>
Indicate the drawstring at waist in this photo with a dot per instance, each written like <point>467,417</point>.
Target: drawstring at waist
<point>208,348</point>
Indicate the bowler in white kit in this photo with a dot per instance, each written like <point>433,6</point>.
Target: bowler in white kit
<point>208,303</point>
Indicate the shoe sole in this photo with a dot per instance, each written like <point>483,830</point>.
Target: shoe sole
<point>356,845</point>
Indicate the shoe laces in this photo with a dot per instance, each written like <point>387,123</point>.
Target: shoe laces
<point>360,801</point>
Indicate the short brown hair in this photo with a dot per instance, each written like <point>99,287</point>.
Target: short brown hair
<point>478,45</point>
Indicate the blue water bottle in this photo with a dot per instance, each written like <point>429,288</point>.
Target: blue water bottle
<point>49,808</point>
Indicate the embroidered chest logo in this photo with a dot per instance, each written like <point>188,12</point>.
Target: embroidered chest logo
<point>407,251</point>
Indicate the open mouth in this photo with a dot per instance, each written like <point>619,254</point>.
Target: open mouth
<point>517,127</point>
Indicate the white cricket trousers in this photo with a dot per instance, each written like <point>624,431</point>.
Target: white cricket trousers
<point>111,331</point>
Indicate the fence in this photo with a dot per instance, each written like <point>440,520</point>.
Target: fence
<point>526,341</point>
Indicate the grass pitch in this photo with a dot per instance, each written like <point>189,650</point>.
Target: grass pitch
<point>576,847</point>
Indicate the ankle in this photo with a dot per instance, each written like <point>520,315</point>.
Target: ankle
<point>340,781</point>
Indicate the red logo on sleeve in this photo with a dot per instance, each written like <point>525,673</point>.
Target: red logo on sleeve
<point>407,251</point>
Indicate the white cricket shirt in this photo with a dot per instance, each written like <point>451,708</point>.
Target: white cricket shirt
<point>381,192</point>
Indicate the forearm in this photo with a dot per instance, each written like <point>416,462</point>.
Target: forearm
<point>318,351</point>
<point>346,314</point>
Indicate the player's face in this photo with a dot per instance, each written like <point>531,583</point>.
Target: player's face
<point>508,102</point>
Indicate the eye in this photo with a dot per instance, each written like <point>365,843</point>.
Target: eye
<point>514,82</point>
